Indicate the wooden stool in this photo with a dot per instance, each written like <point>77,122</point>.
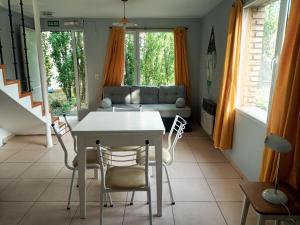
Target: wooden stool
<point>267,211</point>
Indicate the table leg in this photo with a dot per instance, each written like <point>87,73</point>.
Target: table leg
<point>158,158</point>
<point>260,219</point>
<point>82,176</point>
<point>245,209</point>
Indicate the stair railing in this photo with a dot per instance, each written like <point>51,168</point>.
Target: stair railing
<point>28,85</point>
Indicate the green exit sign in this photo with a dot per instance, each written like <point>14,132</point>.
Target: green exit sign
<point>53,23</point>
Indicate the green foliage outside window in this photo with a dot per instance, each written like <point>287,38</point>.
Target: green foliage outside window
<point>156,66</point>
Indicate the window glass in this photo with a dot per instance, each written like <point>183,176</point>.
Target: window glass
<point>259,68</point>
<point>149,58</point>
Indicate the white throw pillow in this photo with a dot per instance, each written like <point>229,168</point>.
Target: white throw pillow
<point>180,103</point>
<point>106,103</point>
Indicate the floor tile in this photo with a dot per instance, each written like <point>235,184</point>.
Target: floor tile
<point>4,183</point>
<point>24,190</point>
<point>232,213</point>
<point>111,216</point>
<point>12,212</point>
<point>26,156</point>
<point>6,153</point>
<point>200,213</point>
<point>48,214</point>
<point>185,170</point>
<point>93,193</point>
<point>12,170</point>
<point>226,189</point>
<point>42,170</point>
<point>218,170</point>
<point>205,152</point>
<point>56,155</point>
<point>58,191</point>
<point>138,214</point>
<point>191,190</point>
<point>184,155</point>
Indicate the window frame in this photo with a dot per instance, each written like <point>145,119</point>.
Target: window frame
<point>254,111</point>
<point>136,33</point>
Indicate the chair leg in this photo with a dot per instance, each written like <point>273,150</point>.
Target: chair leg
<point>260,220</point>
<point>71,188</point>
<point>105,200</point>
<point>77,185</point>
<point>149,205</point>
<point>110,201</point>
<point>169,184</point>
<point>132,197</point>
<point>101,205</point>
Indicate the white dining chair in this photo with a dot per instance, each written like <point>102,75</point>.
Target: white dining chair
<point>71,132</point>
<point>92,162</point>
<point>168,153</point>
<point>120,172</point>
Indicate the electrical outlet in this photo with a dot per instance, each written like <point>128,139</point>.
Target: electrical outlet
<point>97,76</point>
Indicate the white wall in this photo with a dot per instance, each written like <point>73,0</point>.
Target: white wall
<point>96,32</point>
<point>249,133</point>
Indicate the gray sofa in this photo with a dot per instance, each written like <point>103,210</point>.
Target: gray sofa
<point>167,100</point>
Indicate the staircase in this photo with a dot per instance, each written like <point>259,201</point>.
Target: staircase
<point>19,113</point>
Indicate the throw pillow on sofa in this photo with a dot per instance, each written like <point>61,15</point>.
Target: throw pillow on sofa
<point>106,103</point>
<point>180,103</point>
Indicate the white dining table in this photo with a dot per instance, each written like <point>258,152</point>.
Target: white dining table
<point>117,129</point>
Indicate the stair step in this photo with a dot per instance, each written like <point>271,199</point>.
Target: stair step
<point>25,94</point>
<point>8,82</point>
<point>35,104</point>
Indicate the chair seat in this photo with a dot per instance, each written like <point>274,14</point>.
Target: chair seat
<point>92,159</point>
<point>125,177</point>
<point>166,156</point>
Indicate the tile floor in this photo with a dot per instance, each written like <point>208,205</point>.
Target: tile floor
<point>34,187</point>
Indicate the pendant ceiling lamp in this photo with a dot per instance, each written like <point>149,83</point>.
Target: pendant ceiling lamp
<point>124,21</point>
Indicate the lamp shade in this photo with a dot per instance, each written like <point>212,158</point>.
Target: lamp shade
<point>278,143</point>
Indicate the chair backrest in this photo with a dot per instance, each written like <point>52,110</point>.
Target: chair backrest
<point>124,158</point>
<point>71,132</point>
<point>121,109</point>
<point>58,136</point>
<point>175,134</point>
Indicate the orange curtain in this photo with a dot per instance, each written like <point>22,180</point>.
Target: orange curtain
<point>114,62</point>
<point>284,118</point>
<point>224,122</point>
<point>181,61</point>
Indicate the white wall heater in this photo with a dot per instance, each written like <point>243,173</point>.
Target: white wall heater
<point>208,111</point>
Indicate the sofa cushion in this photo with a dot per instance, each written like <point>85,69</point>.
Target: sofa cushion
<point>118,95</point>
<point>169,94</point>
<point>168,110</point>
<point>105,103</point>
<point>144,95</point>
<point>180,103</point>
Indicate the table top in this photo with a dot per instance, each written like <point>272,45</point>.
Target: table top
<point>253,191</point>
<point>120,122</point>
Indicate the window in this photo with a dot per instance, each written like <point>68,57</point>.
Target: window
<point>263,31</point>
<point>149,58</point>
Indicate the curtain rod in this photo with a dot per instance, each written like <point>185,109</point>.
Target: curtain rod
<point>150,28</point>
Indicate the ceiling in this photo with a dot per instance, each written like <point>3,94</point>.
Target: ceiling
<point>114,8</point>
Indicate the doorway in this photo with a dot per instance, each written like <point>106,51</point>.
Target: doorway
<point>65,70</point>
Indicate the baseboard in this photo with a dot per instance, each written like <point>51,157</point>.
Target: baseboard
<point>235,166</point>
